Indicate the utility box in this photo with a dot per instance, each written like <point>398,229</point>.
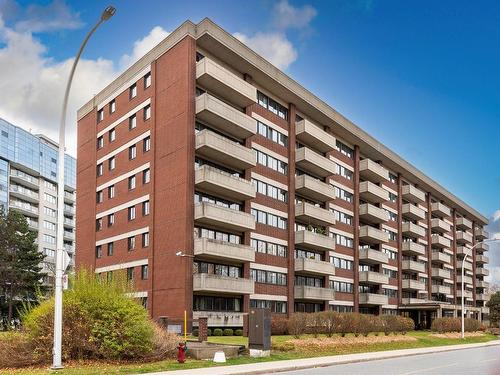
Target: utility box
<point>259,332</point>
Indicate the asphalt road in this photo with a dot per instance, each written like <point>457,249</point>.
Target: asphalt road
<point>479,361</point>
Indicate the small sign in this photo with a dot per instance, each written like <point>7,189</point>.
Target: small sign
<point>174,328</point>
<point>65,282</point>
<point>66,260</point>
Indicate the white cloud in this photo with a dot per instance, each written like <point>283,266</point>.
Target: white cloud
<point>50,17</point>
<point>143,46</point>
<point>273,46</point>
<point>287,16</point>
<point>496,215</point>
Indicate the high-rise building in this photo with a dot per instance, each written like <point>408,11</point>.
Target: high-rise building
<point>28,184</point>
<point>273,198</point>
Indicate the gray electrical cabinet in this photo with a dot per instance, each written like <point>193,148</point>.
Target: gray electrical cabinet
<point>259,329</point>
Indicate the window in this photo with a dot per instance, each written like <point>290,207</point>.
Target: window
<point>272,134</point>
<point>111,220</point>
<point>99,196</point>
<point>342,217</point>
<point>110,249</point>
<point>343,194</point>
<point>217,235</point>
<point>272,105</point>
<point>112,106</point>
<point>145,208</point>
<point>391,273</point>
<point>99,169</point>
<point>270,190</point>
<point>146,144</point>
<point>393,236</point>
<point>147,80</point>
<point>112,163</point>
<point>49,212</point>
<point>47,238</point>
<point>112,135</point>
<point>145,239</point>
<point>209,303</point>
<point>146,176</point>
<point>271,162</point>
<point>132,152</point>
<point>131,243</point>
<point>343,240</point>
<point>98,224</point>
<point>132,122</point>
<point>100,115</point>
<point>268,277</point>
<point>392,216</point>
<point>341,263</point>
<point>131,213</point>
<point>393,178</point>
<point>49,225</point>
<point>131,182</point>
<point>50,198</point>
<point>147,112</point>
<point>268,248</point>
<point>100,142</point>
<point>144,272</point>
<point>343,171</point>
<point>393,197</point>
<point>49,185</point>
<point>277,307</point>
<point>269,219</point>
<point>391,254</point>
<point>111,191</point>
<point>344,149</point>
<point>132,91</point>
<point>98,251</point>
<point>130,273</point>
<point>342,287</point>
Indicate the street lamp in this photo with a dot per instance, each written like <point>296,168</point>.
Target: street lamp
<point>467,253</point>
<point>57,357</point>
<point>181,254</point>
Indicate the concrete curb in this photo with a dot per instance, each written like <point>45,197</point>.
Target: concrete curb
<point>305,363</point>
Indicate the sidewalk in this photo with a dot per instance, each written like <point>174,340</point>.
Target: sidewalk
<point>299,364</point>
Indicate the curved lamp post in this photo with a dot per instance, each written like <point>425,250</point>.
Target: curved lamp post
<point>467,253</point>
<point>56,360</point>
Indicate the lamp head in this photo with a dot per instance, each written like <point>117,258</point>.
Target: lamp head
<point>179,253</point>
<point>108,13</point>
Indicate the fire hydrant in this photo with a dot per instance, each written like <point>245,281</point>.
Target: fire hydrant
<point>181,352</point>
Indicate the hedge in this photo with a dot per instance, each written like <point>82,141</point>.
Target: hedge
<point>442,325</point>
<point>218,332</point>
<point>228,332</point>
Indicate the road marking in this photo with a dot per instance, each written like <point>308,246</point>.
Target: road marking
<point>489,360</point>
<point>427,369</point>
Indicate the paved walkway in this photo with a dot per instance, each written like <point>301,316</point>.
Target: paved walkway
<point>297,364</point>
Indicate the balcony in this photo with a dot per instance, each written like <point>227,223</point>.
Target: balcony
<point>481,234</point>
<point>216,249</point>
<point>224,118</point>
<point>439,257</point>
<point>372,193</point>
<point>373,299</point>
<point>441,273</point>
<point>466,279</point>
<point>220,318</point>
<point>463,223</point>
<point>413,212</point>
<point>482,284</point>
<point>21,192</point>
<point>485,310</point>
<point>413,266</point>
<point>313,241</point>
<point>314,267</point>
<point>413,301</point>
<point>314,189</point>
<point>224,151</point>
<point>464,238</point>
<point>440,226</point>
<point>439,209</point>
<point>304,292</point>
<point>412,248</point>
<point>204,282</point>
<point>372,214</point>
<point>311,214</point>
<point>371,256</point>
<point>224,218</point>
<point>69,197</point>
<point>69,235</point>
<point>410,284</point>
<point>482,247</point>
<point>482,259</point>
<point>440,241</point>
<point>441,289</point>
<point>413,230</point>
<point>371,171</point>
<point>69,210</point>
<point>24,208</point>
<point>224,83</point>
<point>24,179</point>
<point>69,222</point>
<point>413,194</point>
<point>482,297</point>
<point>480,271</point>
<point>372,235</point>
<point>371,277</point>
<point>461,250</point>
<point>314,163</point>
<point>467,293</point>
<point>467,265</point>
<point>216,182</point>
<point>314,137</point>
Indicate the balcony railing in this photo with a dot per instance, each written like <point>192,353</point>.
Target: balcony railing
<point>313,241</point>
<point>216,249</point>
<point>313,136</point>
<point>304,292</point>
<point>369,170</point>
<point>219,183</point>
<point>203,282</point>
<point>413,194</point>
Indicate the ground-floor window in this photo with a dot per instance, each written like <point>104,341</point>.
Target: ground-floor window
<point>278,307</point>
<point>211,303</point>
<point>341,309</point>
<point>308,307</point>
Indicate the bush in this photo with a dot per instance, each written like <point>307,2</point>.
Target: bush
<point>297,324</point>
<point>16,350</point>
<point>279,325</point>
<point>238,332</point>
<point>100,321</point>
<point>228,332</point>
<point>442,325</point>
<point>195,332</point>
<point>209,332</point>
<point>218,332</point>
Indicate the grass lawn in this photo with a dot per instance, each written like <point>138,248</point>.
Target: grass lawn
<point>421,339</point>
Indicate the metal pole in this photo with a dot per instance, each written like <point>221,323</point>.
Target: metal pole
<point>57,350</point>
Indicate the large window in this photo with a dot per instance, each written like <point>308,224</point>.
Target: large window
<point>202,197</point>
<point>271,162</point>
<point>209,303</point>
<point>267,218</point>
<point>277,307</point>
<point>272,134</point>
<point>272,105</point>
<point>343,171</point>
<point>270,248</point>
<point>343,194</point>
<point>341,263</point>
<point>344,241</point>
<point>217,269</point>
<point>342,287</point>
<point>344,149</point>
<point>342,217</point>
<point>216,235</point>
<point>268,277</point>
<point>309,281</point>
<point>270,190</point>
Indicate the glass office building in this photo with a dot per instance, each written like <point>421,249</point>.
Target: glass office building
<point>28,183</point>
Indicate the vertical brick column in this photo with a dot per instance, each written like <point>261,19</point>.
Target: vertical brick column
<point>356,228</point>
<point>400,239</point>
<point>291,208</point>
<point>202,329</point>
<point>429,247</point>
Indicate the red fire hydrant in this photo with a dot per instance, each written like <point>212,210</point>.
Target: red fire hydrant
<point>181,352</point>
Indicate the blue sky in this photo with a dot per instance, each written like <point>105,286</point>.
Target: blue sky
<point>422,77</point>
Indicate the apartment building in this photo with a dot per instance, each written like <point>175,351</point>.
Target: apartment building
<point>28,184</point>
<point>274,199</point>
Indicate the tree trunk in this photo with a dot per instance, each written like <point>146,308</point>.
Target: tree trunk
<point>9,314</point>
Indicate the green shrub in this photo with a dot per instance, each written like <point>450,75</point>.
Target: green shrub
<point>195,332</point>
<point>238,332</point>
<point>209,332</point>
<point>100,321</point>
<point>218,332</point>
<point>228,332</point>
